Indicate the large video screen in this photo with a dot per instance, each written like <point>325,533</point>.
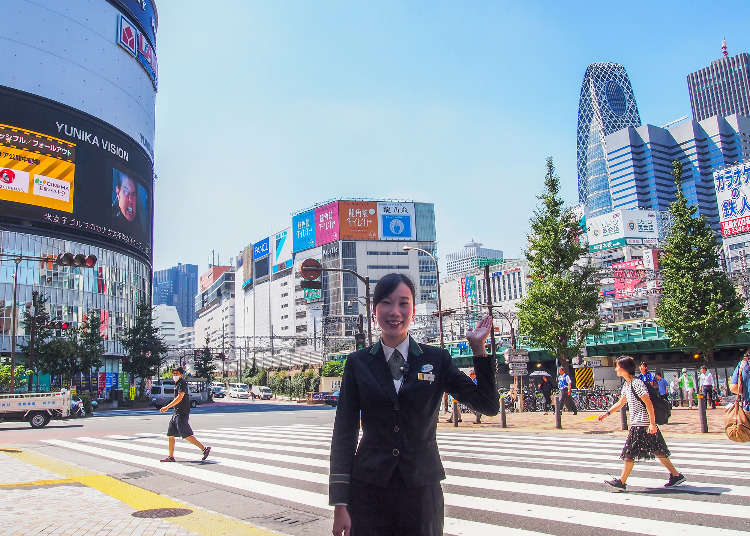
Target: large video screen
<point>65,171</point>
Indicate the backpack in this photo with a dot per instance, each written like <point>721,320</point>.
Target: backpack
<point>662,408</point>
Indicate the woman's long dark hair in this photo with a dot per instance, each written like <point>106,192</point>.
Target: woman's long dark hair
<point>388,284</point>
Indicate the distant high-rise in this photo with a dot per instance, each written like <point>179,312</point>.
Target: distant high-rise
<point>606,105</point>
<point>469,258</point>
<point>178,286</point>
<point>722,88</point>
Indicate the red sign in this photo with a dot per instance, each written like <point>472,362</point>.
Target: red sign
<point>629,276</point>
<point>128,36</point>
<point>735,226</point>
<point>102,385</point>
<point>311,269</point>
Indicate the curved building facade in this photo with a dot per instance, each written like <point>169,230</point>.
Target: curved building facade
<point>77,108</point>
<point>606,104</point>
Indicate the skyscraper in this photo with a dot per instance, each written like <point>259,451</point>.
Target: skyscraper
<point>722,88</point>
<point>606,105</point>
<point>178,286</point>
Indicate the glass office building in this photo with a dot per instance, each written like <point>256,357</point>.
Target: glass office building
<point>178,286</point>
<point>722,88</point>
<point>606,105</point>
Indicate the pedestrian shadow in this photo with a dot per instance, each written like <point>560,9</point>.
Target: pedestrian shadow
<point>29,428</point>
<point>685,490</point>
<point>199,462</point>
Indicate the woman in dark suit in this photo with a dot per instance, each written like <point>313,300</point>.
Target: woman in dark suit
<point>389,484</point>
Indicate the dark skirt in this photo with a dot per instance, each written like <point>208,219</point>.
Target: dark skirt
<point>641,445</point>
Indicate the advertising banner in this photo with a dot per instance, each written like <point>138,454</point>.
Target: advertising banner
<point>124,381</point>
<point>36,170</point>
<point>732,185</point>
<point>86,382</point>
<point>303,231</point>
<point>327,223</point>
<point>102,384</point>
<point>622,227</point>
<point>282,252</point>
<point>629,276</point>
<point>65,171</point>
<point>261,249</point>
<point>396,221</point>
<point>358,220</point>
<point>247,266</point>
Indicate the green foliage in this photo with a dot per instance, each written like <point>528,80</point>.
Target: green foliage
<point>21,375</point>
<point>304,382</point>
<point>561,306</point>
<point>699,306</point>
<point>144,348</point>
<point>204,363</point>
<point>259,378</point>
<point>280,383</point>
<point>90,342</point>
<point>59,356</point>
<point>333,369</point>
<point>35,322</point>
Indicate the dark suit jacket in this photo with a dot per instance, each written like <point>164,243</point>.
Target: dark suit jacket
<point>398,430</point>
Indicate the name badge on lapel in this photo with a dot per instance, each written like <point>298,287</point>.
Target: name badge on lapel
<point>426,376</point>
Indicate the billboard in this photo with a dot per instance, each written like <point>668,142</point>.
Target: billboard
<point>620,228</point>
<point>396,221</point>
<point>282,251</point>
<point>629,277</point>
<point>104,64</point>
<point>247,266</point>
<point>358,220</point>
<point>732,185</point>
<point>36,170</point>
<point>327,223</point>
<point>261,249</point>
<point>303,231</point>
<point>70,173</point>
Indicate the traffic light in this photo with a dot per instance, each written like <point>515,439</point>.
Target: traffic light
<point>58,325</point>
<point>69,259</point>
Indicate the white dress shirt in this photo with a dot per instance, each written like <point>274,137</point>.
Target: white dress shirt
<point>402,347</point>
<point>707,379</point>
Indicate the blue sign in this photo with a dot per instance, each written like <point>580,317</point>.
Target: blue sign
<point>108,380</point>
<point>260,249</point>
<point>303,231</point>
<point>395,226</point>
<point>143,12</point>
<point>282,266</point>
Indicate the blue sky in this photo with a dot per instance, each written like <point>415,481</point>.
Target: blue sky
<point>265,108</point>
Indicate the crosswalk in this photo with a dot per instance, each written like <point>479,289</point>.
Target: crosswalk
<point>497,483</point>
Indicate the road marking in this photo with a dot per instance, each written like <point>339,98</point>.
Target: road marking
<point>34,483</point>
<point>199,520</point>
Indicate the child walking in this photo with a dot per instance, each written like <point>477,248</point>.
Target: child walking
<point>644,438</point>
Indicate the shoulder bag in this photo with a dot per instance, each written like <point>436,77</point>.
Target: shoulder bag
<point>736,418</point>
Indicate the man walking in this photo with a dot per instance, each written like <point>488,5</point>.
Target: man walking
<point>546,388</point>
<point>179,424</point>
<point>687,384</point>
<point>566,386</point>
<point>707,386</point>
<point>662,385</point>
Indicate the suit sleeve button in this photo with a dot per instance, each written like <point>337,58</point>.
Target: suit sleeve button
<point>395,452</point>
<point>396,428</point>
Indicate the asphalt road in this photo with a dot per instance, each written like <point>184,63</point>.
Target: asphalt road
<point>269,467</point>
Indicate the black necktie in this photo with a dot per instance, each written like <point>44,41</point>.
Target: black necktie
<point>396,364</point>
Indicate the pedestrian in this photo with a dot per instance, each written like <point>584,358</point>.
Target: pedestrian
<point>740,382</point>
<point>687,384</point>
<point>179,423</point>
<point>662,385</point>
<point>545,386</point>
<point>566,388</point>
<point>388,483</point>
<point>646,376</point>
<point>644,440</point>
<point>455,409</point>
<point>707,384</point>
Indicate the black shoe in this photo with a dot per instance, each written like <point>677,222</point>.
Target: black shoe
<point>675,480</point>
<point>615,485</point>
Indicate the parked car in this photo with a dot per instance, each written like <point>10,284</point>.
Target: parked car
<point>218,392</point>
<point>162,392</point>
<point>262,392</point>
<point>239,392</point>
<point>333,399</point>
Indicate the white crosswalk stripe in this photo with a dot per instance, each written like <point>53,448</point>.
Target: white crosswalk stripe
<point>496,483</point>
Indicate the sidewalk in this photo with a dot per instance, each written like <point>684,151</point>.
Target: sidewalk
<point>43,496</point>
<point>683,423</point>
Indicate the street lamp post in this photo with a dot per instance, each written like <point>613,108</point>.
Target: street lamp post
<point>439,301</point>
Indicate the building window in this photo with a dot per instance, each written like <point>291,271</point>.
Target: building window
<point>429,280</point>
<point>387,267</point>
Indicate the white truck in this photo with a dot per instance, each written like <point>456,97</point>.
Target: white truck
<point>36,408</point>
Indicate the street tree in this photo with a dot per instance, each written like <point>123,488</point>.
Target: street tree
<point>58,356</point>
<point>144,347</point>
<point>699,305</point>
<point>90,342</point>
<point>204,363</point>
<point>20,374</point>
<point>36,321</point>
<point>561,306</point>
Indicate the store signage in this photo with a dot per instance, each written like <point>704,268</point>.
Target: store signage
<point>732,185</point>
<point>137,44</point>
<point>261,249</point>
